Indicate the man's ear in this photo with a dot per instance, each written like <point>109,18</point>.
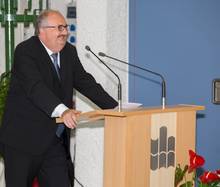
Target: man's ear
<point>41,30</point>
<point>41,33</point>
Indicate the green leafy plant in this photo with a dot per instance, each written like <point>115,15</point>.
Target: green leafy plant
<point>4,85</point>
<point>206,179</point>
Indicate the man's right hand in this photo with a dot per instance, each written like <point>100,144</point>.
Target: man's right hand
<point>69,118</point>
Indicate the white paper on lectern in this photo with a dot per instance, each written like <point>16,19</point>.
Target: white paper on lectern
<point>130,105</point>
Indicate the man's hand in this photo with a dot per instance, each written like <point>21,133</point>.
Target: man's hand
<point>69,118</point>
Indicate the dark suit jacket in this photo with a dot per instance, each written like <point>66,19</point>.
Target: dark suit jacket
<point>33,95</point>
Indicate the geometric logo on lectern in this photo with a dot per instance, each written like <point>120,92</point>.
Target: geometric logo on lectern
<point>162,151</point>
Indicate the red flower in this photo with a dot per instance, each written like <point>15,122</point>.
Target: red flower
<point>209,177</point>
<point>35,183</point>
<point>218,171</point>
<point>195,161</point>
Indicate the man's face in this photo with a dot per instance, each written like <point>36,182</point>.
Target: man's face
<point>54,33</point>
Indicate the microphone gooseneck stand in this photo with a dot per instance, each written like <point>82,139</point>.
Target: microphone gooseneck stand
<point>119,82</point>
<point>163,97</point>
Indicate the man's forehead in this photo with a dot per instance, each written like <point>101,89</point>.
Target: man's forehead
<point>56,18</point>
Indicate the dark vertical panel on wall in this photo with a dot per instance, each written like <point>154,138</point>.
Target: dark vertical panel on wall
<point>181,40</point>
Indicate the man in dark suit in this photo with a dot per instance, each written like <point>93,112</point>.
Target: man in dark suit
<point>45,71</point>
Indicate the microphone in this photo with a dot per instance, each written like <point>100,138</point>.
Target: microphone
<point>163,97</point>
<point>119,82</point>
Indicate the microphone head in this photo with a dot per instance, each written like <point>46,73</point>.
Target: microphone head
<point>87,48</point>
<point>102,54</point>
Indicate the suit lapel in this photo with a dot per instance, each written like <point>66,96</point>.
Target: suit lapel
<point>47,63</point>
<point>63,66</point>
<point>49,67</point>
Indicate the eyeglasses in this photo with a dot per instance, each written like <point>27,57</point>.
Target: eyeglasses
<point>59,27</point>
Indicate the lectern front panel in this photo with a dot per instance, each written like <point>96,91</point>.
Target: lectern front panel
<point>143,149</point>
<point>162,157</point>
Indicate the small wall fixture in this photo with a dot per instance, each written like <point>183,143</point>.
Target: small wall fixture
<point>216,91</point>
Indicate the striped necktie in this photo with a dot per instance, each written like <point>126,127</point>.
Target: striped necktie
<point>55,63</point>
<point>60,127</point>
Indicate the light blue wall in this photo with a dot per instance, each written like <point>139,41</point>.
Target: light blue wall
<point>181,40</point>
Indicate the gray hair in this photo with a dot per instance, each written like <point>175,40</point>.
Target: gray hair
<point>42,20</point>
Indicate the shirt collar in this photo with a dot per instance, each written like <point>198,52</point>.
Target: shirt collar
<point>48,50</point>
<point>51,52</point>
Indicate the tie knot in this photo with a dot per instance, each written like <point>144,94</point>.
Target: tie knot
<point>54,56</point>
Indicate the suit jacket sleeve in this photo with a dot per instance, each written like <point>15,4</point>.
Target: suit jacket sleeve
<point>86,84</point>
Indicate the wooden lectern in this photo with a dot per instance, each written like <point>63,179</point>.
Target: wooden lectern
<point>143,146</point>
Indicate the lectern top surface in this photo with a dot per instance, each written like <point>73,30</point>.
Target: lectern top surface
<point>146,110</point>
<point>97,114</point>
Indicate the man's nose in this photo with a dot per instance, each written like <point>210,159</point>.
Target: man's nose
<point>65,31</point>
